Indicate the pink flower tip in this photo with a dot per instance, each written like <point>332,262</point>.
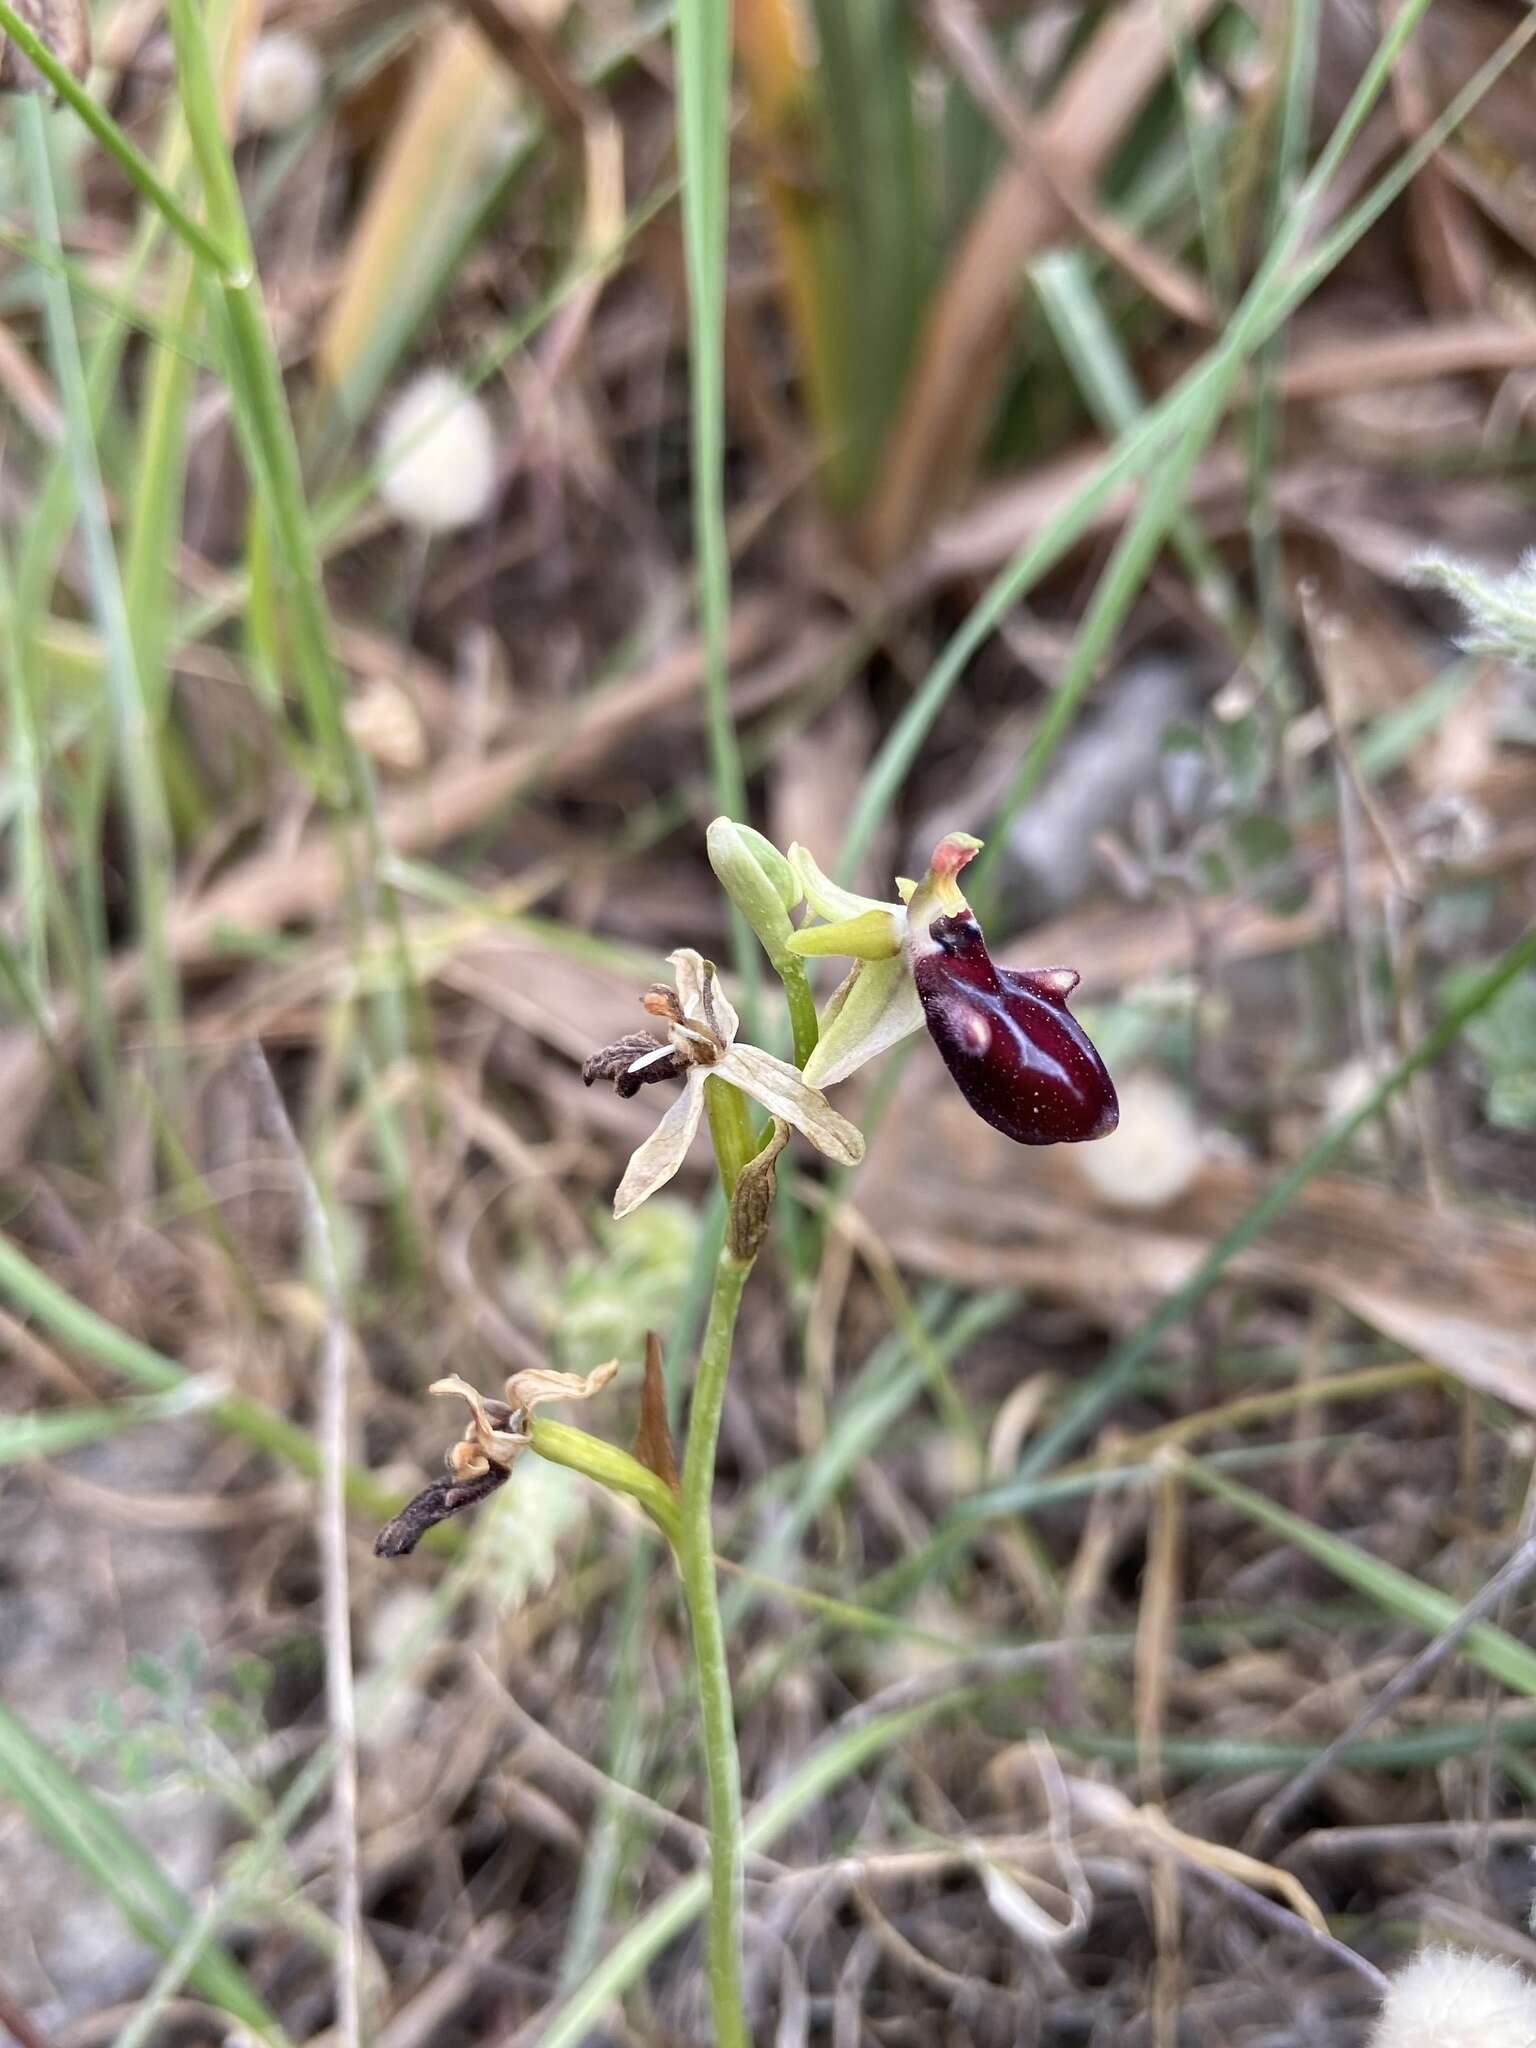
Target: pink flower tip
<point>953,852</point>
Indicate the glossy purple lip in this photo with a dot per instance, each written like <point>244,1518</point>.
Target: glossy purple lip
<point>1016,1052</point>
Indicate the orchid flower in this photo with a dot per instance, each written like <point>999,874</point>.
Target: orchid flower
<point>700,1042</point>
<point>1016,1052</point>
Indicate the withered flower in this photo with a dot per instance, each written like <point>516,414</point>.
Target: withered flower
<point>1016,1052</point>
<point>701,1041</point>
<point>495,1438</point>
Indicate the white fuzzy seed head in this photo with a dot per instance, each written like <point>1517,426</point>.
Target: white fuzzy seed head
<point>1153,1155</point>
<point>1445,1999</point>
<point>281,85</point>
<point>437,454</point>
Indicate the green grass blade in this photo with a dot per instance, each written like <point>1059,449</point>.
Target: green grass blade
<point>24,1438</point>
<point>140,173</point>
<point>1228,1756</point>
<point>1183,421</point>
<point>1063,283</point>
<point>1395,1592</point>
<point>58,1804</point>
<point>867,70</point>
<point>137,761</point>
<point>33,1293</point>
<point>702,36</point>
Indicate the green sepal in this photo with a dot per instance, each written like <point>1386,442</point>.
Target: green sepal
<point>873,935</point>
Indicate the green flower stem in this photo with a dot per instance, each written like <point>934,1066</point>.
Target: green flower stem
<point>730,1128</point>
<point>610,1467</point>
<point>801,1003</point>
<point>696,1565</point>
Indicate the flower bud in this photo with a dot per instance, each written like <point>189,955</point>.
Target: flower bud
<point>758,879</point>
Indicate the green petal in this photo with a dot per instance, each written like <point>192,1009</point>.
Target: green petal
<point>874,935</point>
<point>826,897</point>
<point>875,1008</point>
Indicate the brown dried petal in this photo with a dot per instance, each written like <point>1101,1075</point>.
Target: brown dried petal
<point>538,1383</point>
<point>493,1428</point>
<point>613,1063</point>
<point>434,1504</point>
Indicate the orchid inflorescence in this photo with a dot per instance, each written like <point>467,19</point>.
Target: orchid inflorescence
<point>1018,1055</point>
<point>1011,1044</point>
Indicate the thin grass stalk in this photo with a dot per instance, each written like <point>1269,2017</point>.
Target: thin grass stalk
<point>139,172</point>
<point>702,34</point>
<point>1269,301</point>
<point>256,386</point>
<point>1063,283</point>
<point>1123,1365</point>
<point>26,762</point>
<point>33,1293</point>
<point>1143,538</point>
<point>137,763</point>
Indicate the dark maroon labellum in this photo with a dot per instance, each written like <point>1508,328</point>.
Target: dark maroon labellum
<point>1018,1055</point>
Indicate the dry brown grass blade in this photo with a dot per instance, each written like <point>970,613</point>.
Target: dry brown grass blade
<point>770,42</point>
<point>965,344</point>
<point>273,890</point>
<point>457,104</point>
<point>1116,947</point>
<point>960,33</point>
<point>1445,237</point>
<point>520,37</point>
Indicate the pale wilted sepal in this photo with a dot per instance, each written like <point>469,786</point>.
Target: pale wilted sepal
<point>527,1389</point>
<point>701,1027</point>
